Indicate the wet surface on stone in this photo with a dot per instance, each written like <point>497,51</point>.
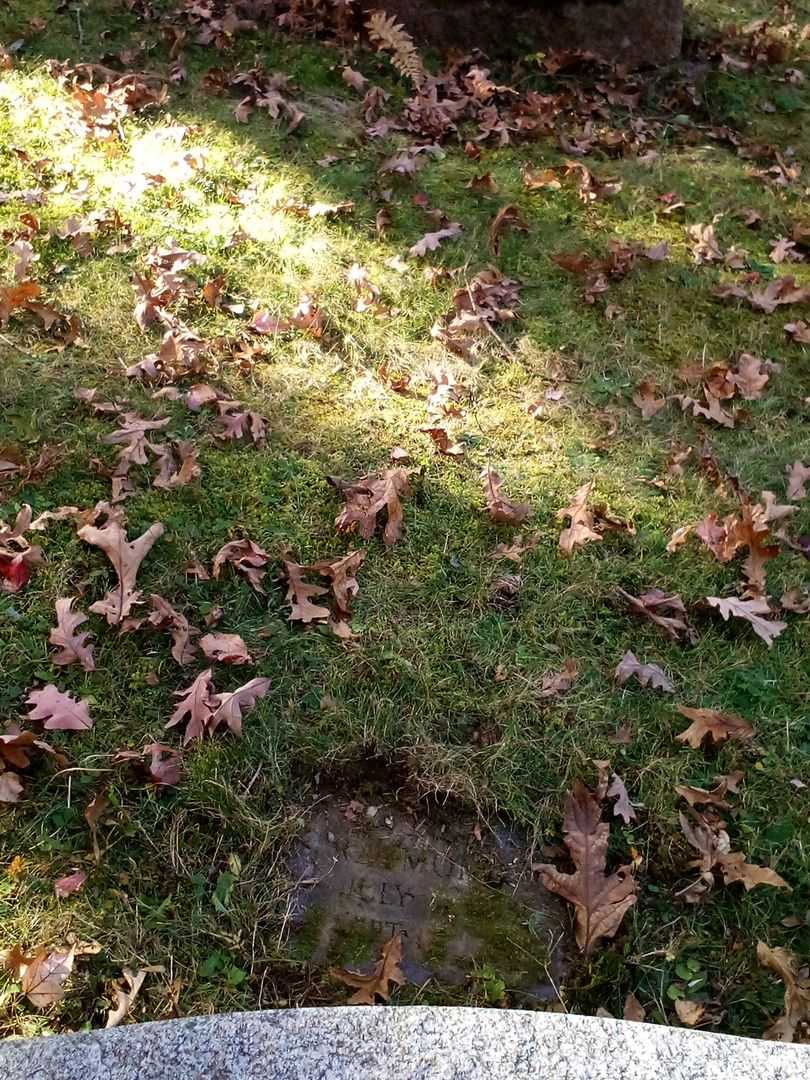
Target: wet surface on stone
<point>363,873</point>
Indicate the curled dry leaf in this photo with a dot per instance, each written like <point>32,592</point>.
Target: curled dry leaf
<point>668,612</point>
<point>754,612</point>
<point>794,1024</point>
<point>696,796</point>
<point>126,558</point>
<point>341,572</point>
<point>502,509</point>
<point>378,983</point>
<point>601,899</point>
<point>799,331</point>
<point>245,557</point>
<point>125,994</point>
<point>371,496</point>
<point>714,725</point>
<point>647,674</point>
<point>226,648</point>
<point>17,556</point>
<point>72,646</point>
<point>58,711</point>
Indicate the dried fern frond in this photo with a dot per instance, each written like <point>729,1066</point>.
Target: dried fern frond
<point>388,34</point>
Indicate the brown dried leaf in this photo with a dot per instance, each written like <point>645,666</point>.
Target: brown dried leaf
<point>71,883</point>
<point>196,707</point>
<point>126,558</point>
<point>367,498</point>
<point>714,725</point>
<point>753,611</point>
<point>443,443</point>
<point>73,647</point>
<point>647,674</point>
<point>581,529</point>
<point>633,1009</point>
<point>518,548</point>
<point>798,475</point>
<point>431,241</point>
<point>164,617</point>
<point>43,975</point>
<point>377,983</point>
<point>229,707</point>
<point>601,899</point>
<point>649,399</point>
<point>226,648</point>
<point>689,1012</point>
<point>750,377</point>
<point>245,557</point>
<point>654,604</point>
<point>58,711</point>
<point>559,682</point>
<point>502,509</point>
<point>794,1024</point>
<point>508,217</point>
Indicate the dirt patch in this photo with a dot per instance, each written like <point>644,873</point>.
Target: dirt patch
<point>363,871</point>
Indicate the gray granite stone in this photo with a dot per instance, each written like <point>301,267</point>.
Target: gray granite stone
<point>408,1043</point>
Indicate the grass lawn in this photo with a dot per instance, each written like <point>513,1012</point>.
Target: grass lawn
<point>193,877</point>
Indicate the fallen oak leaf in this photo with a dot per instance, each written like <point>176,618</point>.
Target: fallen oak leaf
<point>753,611</point>
<point>229,706</point>
<point>647,674</point>
<point>518,548</point>
<point>367,498</point>
<point>126,558</point>
<point>376,984</point>
<point>196,707</point>
<point>799,331</point>
<point>73,647</point>
<point>443,443</point>
<point>226,648</point>
<point>58,711</point>
<point>508,217</point>
<point>431,241</point>
<point>581,529</point>
<point>689,1013</point>
<point>300,594</point>
<point>633,1009</point>
<point>601,899</point>
<point>714,725</point>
